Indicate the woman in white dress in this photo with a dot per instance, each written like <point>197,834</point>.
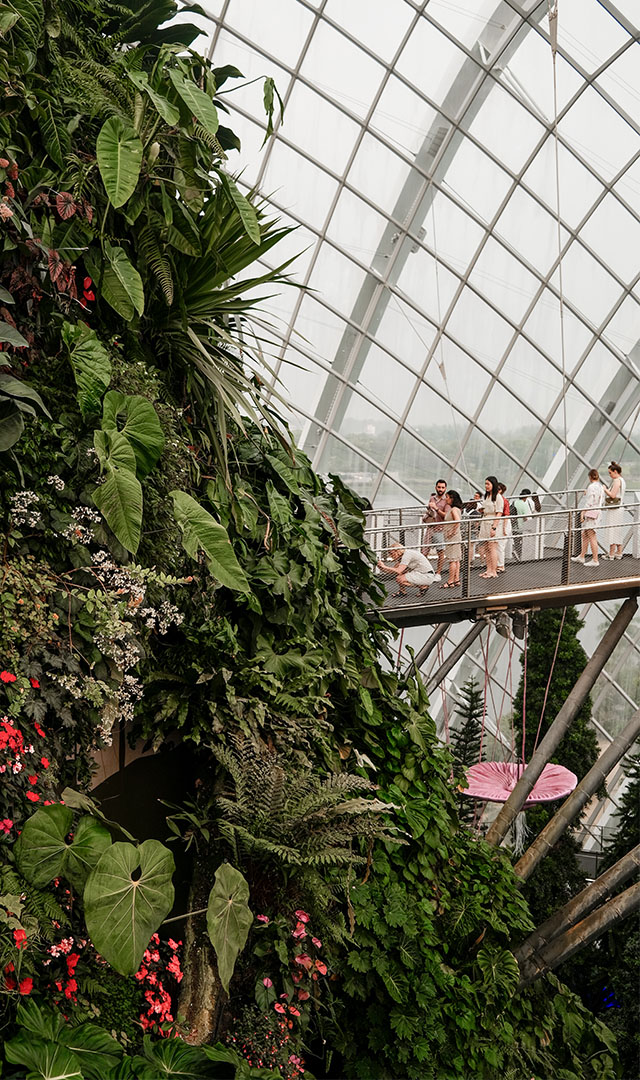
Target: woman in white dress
<point>492,507</point>
<point>409,567</point>
<point>589,517</point>
<point>614,511</point>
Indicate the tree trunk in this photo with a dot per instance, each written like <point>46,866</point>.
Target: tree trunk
<point>578,798</point>
<point>202,997</point>
<point>563,720</point>
<point>579,905</point>
<point>578,937</point>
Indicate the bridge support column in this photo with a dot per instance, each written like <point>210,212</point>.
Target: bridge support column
<point>563,720</point>
<point>454,656</point>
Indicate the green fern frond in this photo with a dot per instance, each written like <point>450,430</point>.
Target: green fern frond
<point>151,249</point>
<point>37,902</point>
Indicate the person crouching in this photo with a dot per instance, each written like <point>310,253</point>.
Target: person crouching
<point>409,567</point>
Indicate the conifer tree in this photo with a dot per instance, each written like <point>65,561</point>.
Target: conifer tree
<point>466,739</point>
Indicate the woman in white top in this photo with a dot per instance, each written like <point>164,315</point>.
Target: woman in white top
<point>492,507</point>
<point>614,515</point>
<point>589,516</point>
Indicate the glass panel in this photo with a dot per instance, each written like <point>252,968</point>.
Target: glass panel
<point>530,230</point>
<point>615,235</point>
<point>299,243</point>
<point>545,462</point>
<point>377,172</point>
<point>529,75</point>
<point>620,80</point>
<point>624,328</point>
<point>543,326</point>
<point>598,134</point>
<point>354,469</point>
<point>321,330</point>
<point>506,128</point>
<point>588,32</point>
<point>386,380</point>
<point>422,277</point>
<point>466,19</point>
<point>402,117</point>
<point>592,289</point>
<point>301,381</point>
<point>406,333</point>
<point>351,77</point>
<point>378,24</point>
<point>488,459</point>
<point>355,226</point>
<point>432,62</point>
<point>451,232</point>
<point>532,377</point>
<point>317,127</point>
<point>466,380</point>
<point>597,371</point>
<point>300,185</point>
<point>477,326</point>
<point>477,182</point>
<point>392,493</point>
<point>257,22</point>
<point>509,420</point>
<point>628,186</point>
<point>337,279</point>
<point>578,188</point>
<point>415,465</point>
<point>578,410</point>
<point>504,280</point>
<point>367,428</point>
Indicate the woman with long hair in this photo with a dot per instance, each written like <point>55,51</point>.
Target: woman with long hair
<point>492,510</point>
<point>453,538</point>
<point>614,510</point>
<point>589,517</point>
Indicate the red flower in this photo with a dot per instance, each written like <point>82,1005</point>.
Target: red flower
<point>20,937</point>
<point>322,968</point>
<point>10,982</point>
<point>6,825</point>
<point>32,779</point>
<point>12,172</point>
<point>278,1007</point>
<point>262,918</point>
<point>26,986</point>
<point>304,960</point>
<point>33,796</point>
<point>302,916</point>
<point>293,1012</point>
<point>316,941</point>
<point>7,677</point>
<point>39,729</point>
<point>34,682</point>
<point>303,995</point>
<point>44,762</point>
<point>299,931</point>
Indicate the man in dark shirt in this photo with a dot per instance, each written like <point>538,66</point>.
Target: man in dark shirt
<point>434,517</point>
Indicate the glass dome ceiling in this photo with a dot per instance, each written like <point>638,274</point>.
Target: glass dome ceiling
<point>417,160</point>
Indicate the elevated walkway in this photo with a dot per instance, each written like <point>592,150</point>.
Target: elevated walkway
<point>539,567</point>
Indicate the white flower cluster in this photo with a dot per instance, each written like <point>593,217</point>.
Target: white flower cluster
<point>80,531</point>
<point>71,684</point>
<point>161,618</point>
<point>117,578</point>
<point>23,508</point>
<point>57,482</point>
<point>131,690</point>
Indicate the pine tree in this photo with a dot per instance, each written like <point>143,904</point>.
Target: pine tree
<point>466,739</point>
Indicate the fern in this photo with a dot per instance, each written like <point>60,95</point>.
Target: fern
<point>37,902</point>
<point>151,249</point>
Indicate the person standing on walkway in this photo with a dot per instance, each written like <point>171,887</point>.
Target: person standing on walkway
<point>492,510</point>
<point>507,531</point>
<point>589,517</point>
<point>614,510</point>
<point>453,538</point>
<point>434,518</point>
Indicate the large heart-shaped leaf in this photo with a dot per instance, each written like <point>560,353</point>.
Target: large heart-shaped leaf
<point>14,388</point>
<point>170,1058</point>
<point>11,423</point>
<point>126,897</point>
<point>201,530</point>
<point>97,1052</point>
<point>198,103</point>
<point>229,919</point>
<point>42,852</point>
<point>119,498</point>
<point>135,418</point>
<point>44,1059</point>
<point>119,153</point>
<point>91,365</point>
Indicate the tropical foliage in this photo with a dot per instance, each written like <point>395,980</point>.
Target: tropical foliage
<point>174,572</point>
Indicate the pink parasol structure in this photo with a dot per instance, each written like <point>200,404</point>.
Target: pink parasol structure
<point>493,781</point>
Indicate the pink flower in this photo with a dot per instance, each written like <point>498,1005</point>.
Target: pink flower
<point>278,1007</point>
<point>293,1011</point>
<point>305,961</point>
<point>267,983</point>
<point>263,918</point>
<point>316,941</point>
<point>302,916</point>
<point>303,995</point>
<point>322,968</point>
<point>6,825</point>
<point>299,931</point>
